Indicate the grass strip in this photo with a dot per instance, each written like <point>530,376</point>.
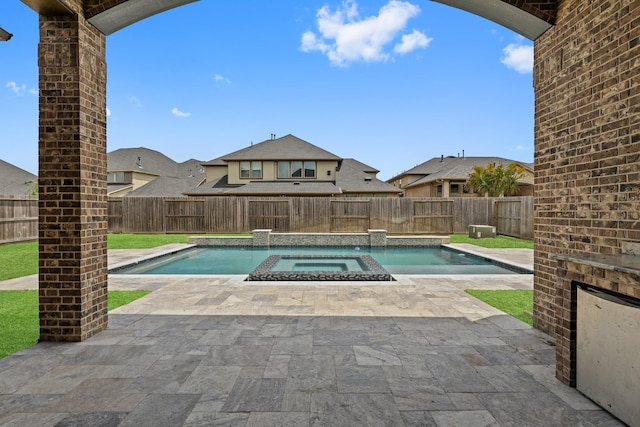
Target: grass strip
<point>18,260</point>
<point>19,324</point>
<point>498,242</point>
<point>517,303</point>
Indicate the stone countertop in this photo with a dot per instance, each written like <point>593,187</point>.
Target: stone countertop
<point>624,263</point>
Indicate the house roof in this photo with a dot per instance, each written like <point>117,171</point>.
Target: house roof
<point>351,178</point>
<point>216,187</point>
<point>15,181</point>
<point>172,178</point>
<point>112,188</point>
<point>452,168</point>
<point>215,162</point>
<point>166,186</point>
<point>265,188</point>
<point>361,166</point>
<point>143,160</point>
<point>288,147</point>
<point>286,188</point>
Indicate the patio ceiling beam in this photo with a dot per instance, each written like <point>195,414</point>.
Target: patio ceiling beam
<point>130,12</point>
<point>503,13</point>
<point>48,7</point>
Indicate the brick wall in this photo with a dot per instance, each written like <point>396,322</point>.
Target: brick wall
<point>587,133</point>
<point>72,180</point>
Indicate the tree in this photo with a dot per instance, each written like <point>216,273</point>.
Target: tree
<point>495,181</point>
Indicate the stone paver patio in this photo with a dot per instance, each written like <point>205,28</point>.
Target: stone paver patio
<point>214,350</point>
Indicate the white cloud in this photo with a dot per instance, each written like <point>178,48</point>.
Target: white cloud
<point>219,78</point>
<point>518,57</point>
<point>179,113</point>
<point>20,89</point>
<point>108,112</point>
<point>411,42</point>
<point>344,37</point>
<point>135,101</point>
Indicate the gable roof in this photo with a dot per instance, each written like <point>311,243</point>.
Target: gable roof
<point>15,181</point>
<point>288,147</point>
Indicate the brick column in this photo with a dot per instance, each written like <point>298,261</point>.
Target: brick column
<point>72,179</point>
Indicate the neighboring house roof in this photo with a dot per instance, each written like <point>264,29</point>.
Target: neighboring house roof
<point>361,166</point>
<point>452,168</point>
<point>457,172</point>
<point>288,147</point>
<point>15,181</point>
<point>286,188</point>
<point>166,186</point>
<point>172,179</point>
<point>113,188</point>
<point>217,187</point>
<point>215,162</point>
<point>266,188</point>
<point>352,178</point>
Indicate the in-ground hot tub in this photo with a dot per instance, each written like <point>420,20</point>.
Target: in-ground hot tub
<point>319,268</point>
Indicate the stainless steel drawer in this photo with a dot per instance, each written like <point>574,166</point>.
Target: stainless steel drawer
<point>608,352</point>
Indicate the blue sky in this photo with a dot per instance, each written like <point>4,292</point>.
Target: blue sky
<point>389,83</point>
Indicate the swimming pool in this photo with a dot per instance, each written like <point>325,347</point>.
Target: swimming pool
<point>243,260</point>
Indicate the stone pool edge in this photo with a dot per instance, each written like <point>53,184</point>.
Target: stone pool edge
<point>374,273</point>
<point>264,238</point>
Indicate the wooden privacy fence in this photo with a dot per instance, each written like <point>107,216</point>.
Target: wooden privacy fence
<point>512,216</point>
<point>319,214</point>
<point>18,218</point>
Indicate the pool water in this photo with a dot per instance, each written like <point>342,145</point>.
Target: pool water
<point>239,260</point>
<point>318,264</point>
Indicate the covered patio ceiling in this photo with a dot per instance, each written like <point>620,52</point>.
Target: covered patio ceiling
<point>503,13</point>
<point>112,19</point>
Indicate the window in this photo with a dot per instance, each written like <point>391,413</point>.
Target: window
<point>283,170</point>
<point>115,177</point>
<point>250,169</point>
<point>309,169</point>
<point>458,188</point>
<point>297,169</point>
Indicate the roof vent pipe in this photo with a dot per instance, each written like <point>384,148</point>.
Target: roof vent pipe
<point>463,154</point>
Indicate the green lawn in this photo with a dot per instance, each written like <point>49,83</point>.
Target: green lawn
<point>19,326</point>
<point>494,242</point>
<point>517,303</point>
<point>144,241</point>
<point>18,259</point>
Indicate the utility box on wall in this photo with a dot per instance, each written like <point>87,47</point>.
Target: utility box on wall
<point>481,231</point>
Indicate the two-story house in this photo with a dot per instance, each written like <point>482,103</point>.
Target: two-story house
<point>290,166</point>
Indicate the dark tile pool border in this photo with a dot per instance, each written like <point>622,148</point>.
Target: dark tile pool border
<point>374,271</point>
